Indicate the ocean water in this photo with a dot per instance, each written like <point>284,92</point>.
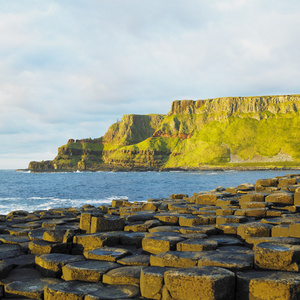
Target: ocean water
<point>36,191</point>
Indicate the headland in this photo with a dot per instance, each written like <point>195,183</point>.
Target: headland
<point>224,133</point>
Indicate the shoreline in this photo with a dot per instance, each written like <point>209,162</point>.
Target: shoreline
<point>213,168</point>
<point>164,248</point>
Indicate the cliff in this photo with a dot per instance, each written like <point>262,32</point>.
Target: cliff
<point>222,132</point>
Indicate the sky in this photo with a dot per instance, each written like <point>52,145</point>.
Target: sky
<point>70,69</point>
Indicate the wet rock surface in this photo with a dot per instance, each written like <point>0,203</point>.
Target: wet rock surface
<point>238,243</point>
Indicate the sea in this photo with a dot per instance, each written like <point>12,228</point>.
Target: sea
<point>41,191</point>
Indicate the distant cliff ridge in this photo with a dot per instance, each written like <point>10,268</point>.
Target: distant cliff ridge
<point>229,132</point>
<point>233,105</point>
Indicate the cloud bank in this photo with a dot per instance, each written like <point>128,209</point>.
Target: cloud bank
<point>69,69</point>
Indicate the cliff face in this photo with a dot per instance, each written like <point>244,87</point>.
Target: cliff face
<point>201,112</point>
<point>235,105</point>
<point>194,134</point>
<point>132,129</point>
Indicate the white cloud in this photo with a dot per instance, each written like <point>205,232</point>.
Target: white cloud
<point>68,69</point>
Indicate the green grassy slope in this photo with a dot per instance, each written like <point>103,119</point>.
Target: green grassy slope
<point>227,132</point>
<point>245,137</point>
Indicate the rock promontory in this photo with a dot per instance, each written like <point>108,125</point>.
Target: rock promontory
<point>231,132</point>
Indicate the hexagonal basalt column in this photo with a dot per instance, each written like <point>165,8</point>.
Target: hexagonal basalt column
<point>262,285</point>
<point>199,283</point>
<point>274,256</point>
<point>157,244</point>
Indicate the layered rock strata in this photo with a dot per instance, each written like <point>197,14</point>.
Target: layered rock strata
<point>249,132</point>
<point>236,243</point>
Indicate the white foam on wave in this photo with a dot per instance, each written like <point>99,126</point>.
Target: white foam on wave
<point>44,203</point>
<point>10,198</point>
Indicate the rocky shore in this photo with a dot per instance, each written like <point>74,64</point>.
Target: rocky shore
<point>198,169</point>
<point>236,243</point>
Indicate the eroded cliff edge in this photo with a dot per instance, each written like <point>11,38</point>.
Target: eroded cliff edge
<point>223,132</point>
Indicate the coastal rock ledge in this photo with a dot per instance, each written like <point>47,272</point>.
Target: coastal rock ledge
<point>222,133</point>
<point>229,243</point>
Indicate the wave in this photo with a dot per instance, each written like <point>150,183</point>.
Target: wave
<point>10,198</point>
<point>31,204</point>
<point>39,198</point>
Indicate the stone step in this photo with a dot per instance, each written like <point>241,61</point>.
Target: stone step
<point>9,251</point>
<point>197,245</point>
<point>129,275</point>
<point>114,292</point>
<point>152,282</point>
<point>21,261</point>
<point>253,229</point>
<point>207,229</point>
<point>157,244</point>
<point>107,253</point>
<point>18,274</point>
<point>12,239</point>
<point>50,265</point>
<point>199,283</point>
<point>228,228</point>
<point>232,261</point>
<point>135,260</point>
<point>225,240</point>
<point>87,270</point>
<point>231,219</point>
<point>75,290</point>
<point>263,285</point>
<point>254,241</point>
<point>165,228</point>
<point>29,288</point>
<point>132,238</point>
<point>177,259</point>
<point>273,256</point>
<point>86,242</point>
<point>44,247</point>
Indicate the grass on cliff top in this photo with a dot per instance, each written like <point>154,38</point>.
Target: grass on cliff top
<point>247,136</point>
<point>244,137</point>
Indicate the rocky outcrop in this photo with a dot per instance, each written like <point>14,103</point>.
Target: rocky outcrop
<point>238,105</point>
<point>222,132</point>
<point>132,129</point>
<point>229,243</point>
<point>41,166</point>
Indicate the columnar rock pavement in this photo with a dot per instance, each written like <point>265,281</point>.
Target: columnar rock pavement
<point>236,243</point>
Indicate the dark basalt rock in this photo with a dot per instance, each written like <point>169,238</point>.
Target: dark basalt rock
<point>254,255</point>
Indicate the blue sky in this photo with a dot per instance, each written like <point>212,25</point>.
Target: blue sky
<point>69,69</point>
